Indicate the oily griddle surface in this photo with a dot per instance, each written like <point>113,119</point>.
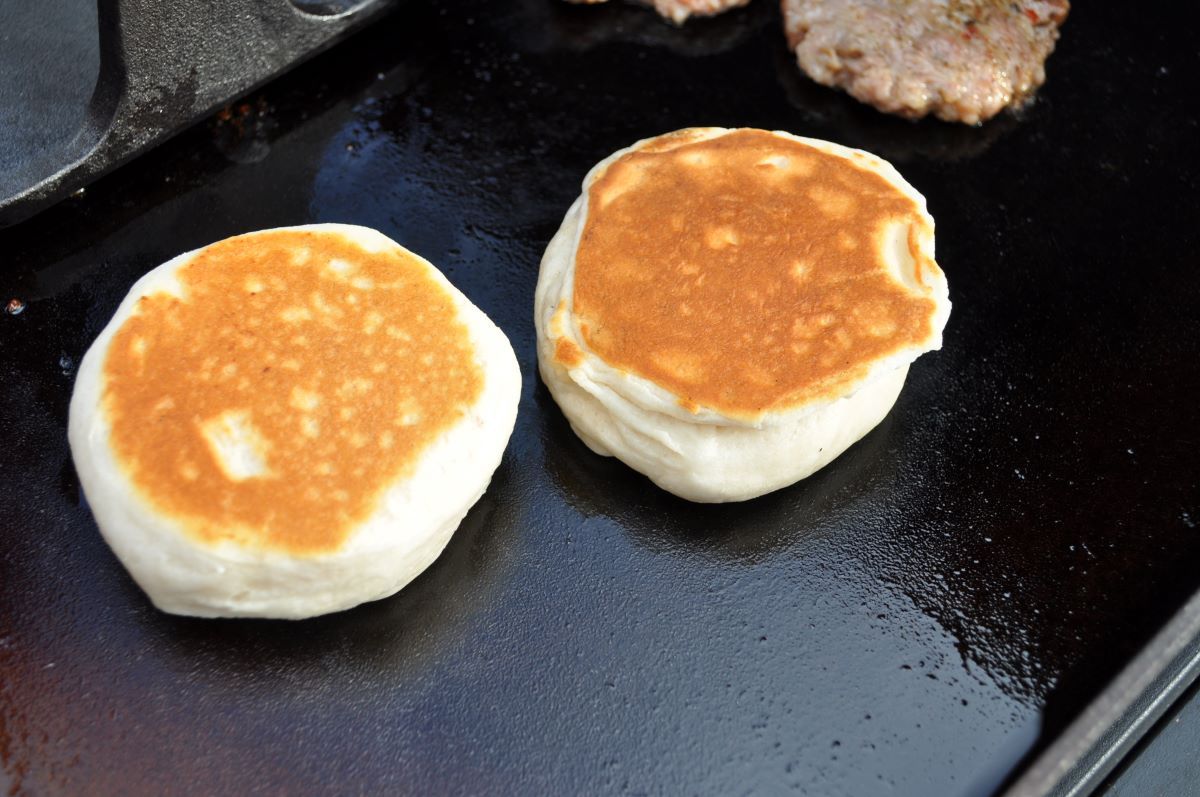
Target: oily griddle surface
<point>917,618</point>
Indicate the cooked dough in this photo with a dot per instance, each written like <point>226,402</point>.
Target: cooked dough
<point>678,11</point>
<point>962,60</point>
<point>728,310</point>
<point>289,422</point>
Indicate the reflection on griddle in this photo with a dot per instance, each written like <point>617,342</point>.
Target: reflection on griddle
<point>854,124</point>
<point>242,131</point>
<point>860,507</point>
<point>554,25</point>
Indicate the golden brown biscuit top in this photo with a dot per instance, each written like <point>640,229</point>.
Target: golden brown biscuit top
<point>745,273</point>
<point>297,378</point>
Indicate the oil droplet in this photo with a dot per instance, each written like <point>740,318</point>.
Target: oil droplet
<point>14,307</point>
<point>66,364</point>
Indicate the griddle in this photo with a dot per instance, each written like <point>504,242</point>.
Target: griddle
<point>989,593</point>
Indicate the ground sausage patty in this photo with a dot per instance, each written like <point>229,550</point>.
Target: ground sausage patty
<point>679,10</point>
<point>961,60</point>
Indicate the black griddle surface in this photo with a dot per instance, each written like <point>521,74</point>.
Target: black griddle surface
<point>920,617</point>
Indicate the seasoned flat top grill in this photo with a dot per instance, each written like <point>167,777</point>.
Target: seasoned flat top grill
<point>928,615</point>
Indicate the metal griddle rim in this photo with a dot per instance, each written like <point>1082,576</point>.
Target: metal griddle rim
<point>1099,738</point>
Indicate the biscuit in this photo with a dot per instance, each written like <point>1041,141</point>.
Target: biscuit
<point>289,422</point>
<point>728,310</point>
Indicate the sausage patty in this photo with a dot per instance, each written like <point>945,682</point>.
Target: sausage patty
<point>961,60</point>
